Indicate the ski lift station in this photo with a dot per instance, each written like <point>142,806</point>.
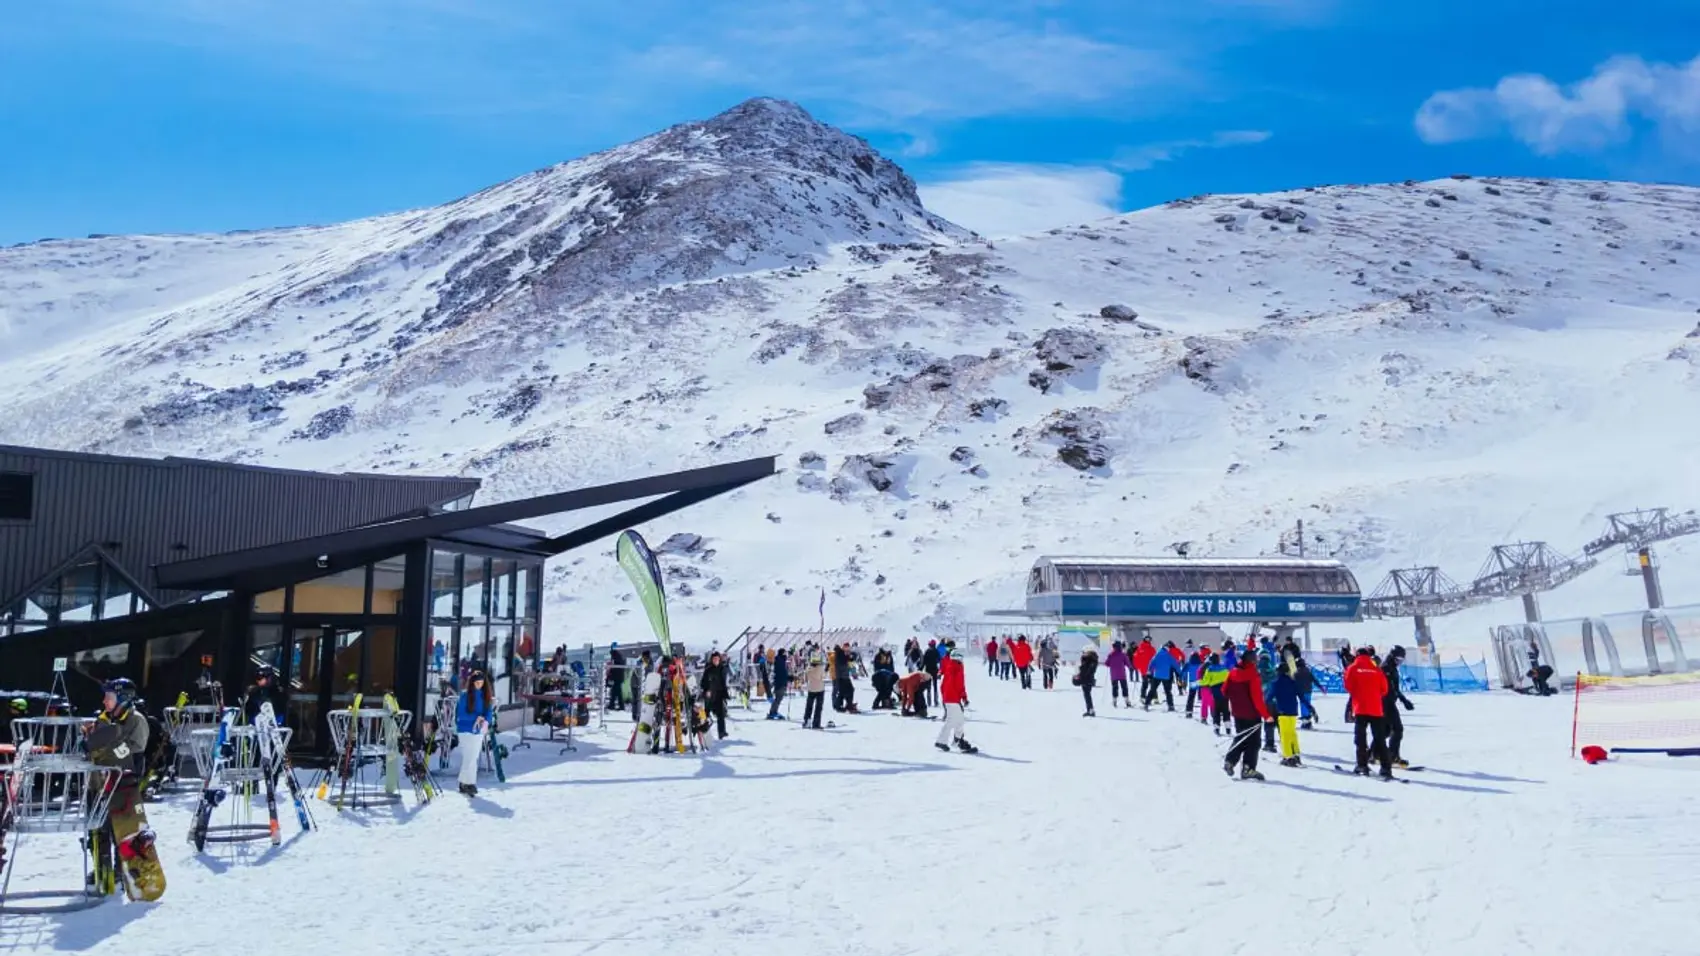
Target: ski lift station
<point>1176,598</point>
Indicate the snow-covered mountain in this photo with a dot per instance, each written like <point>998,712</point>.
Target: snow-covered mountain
<point>1419,371</point>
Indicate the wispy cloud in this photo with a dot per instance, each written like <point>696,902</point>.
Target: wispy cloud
<point>1144,157</point>
<point>1587,116</point>
<point>1012,199</point>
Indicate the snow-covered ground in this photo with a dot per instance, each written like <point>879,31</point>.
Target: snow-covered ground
<point>1065,835</point>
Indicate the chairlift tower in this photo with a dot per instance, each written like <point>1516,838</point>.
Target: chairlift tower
<point>1524,569</point>
<point>1418,593</point>
<point>1636,532</point>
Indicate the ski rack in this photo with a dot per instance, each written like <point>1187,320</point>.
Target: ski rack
<point>54,793</point>
<point>242,777</point>
<point>180,725</point>
<point>371,747</point>
<point>574,693</point>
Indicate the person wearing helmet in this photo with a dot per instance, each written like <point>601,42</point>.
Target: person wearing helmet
<point>474,714</point>
<point>715,691</point>
<point>264,690</point>
<point>616,677</point>
<point>118,738</point>
<point>953,690</point>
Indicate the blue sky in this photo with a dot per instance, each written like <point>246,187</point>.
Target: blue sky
<point>203,115</point>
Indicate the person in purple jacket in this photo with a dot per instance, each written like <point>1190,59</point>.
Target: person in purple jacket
<point>1119,664</point>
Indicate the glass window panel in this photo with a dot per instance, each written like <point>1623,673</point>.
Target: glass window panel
<point>265,646</point>
<point>1091,580</point>
<point>341,593</point>
<point>501,652</point>
<point>271,602</point>
<point>171,663</point>
<point>114,595</point>
<point>474,603</point>
<point>349,644</point>
<point>439,663</point>
<point>380,661</point>
<point>445,583</point>
<point>527,581</point>
<point>79,592</point>
<point>1209,580</point>
<point>103,663</point>
<point>7,616</point>
<point>389,577</point>
<point>472,652</point>
<point>502,589</point>
<point>527,649</point>
<point>39,607</point>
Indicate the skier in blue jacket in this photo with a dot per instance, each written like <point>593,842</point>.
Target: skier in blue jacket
<point>1266,672</point>
<point>1284,694</point>
<point>475,714</point>
<point>1162,673</point>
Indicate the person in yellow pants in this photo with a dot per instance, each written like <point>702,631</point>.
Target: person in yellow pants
<point>1285,696</point>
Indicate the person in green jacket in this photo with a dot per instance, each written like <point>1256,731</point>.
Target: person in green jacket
<point>1213,707</point>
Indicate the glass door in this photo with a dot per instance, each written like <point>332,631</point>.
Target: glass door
<point>303,675</point>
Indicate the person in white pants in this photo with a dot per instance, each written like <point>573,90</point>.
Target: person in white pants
<point>953,690</point>
<point>472,723</point>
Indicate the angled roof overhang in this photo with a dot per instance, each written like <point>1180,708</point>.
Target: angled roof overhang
<point>232,569</point>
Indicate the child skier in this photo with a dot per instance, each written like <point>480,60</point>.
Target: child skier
<point>953,690</point>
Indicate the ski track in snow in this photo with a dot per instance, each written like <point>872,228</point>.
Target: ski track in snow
<point>1065,835</point>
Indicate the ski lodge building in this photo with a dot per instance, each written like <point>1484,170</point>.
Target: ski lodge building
<point>346,583</point>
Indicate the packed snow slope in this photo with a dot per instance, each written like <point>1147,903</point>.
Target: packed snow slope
<point>1419,370</point>
<point>1118,835</point>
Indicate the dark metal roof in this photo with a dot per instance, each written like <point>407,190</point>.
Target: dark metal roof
<point>682,489</point>
<point>144,512</point>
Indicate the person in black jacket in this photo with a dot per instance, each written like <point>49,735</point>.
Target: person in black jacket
<point>843,691</point>
<point>1395,692</point>
<point>714,691</point>
<point>1307,684</point>
<point>264,690</point>
<point>930,664</point>
<point>884,680</point>
<point>781,682</point>
<point>1085,675</point>
<point>616,678</point>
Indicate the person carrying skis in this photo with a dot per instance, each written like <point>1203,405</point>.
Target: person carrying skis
<point>814,683</point>
<point>1244,691</point>
<point>118,738</point>
<point>474,715</point>
<point>1366,688</point>
<point>715,691</point>
<point>1285,698</point>
<point>1118,665</point>
<point>1086,674</point>
<point>953,690</point>
<point>781,682</point>
<point>1161,673</point>
<point>1390,713</point>
<point>991,657</point>
<point>1022,656</point>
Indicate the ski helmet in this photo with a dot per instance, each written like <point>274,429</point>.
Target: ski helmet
<point>265,672</point>
<point>121,688</point>
<point>20,706</point>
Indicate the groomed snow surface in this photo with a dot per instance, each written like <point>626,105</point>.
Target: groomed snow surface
<point>1064,836</point>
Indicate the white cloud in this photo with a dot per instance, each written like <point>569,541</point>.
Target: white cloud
<point>1586,116</point>
<point>1144,157</point>
<point>1011,199</point>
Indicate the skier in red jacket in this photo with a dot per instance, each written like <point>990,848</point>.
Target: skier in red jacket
<point>953,690</point>
<point>1142,663</point>
<point>1366,686</point>
<point>1244,691</point>
<point>991,657</point>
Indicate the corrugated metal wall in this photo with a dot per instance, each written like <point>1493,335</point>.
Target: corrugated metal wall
<point>149,505</point>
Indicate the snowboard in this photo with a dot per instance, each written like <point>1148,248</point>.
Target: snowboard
<point>211,795</point>
<point>643,735</point>
<point>138,861</point>
<point>1346,770</point>
<point>497,752</point>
